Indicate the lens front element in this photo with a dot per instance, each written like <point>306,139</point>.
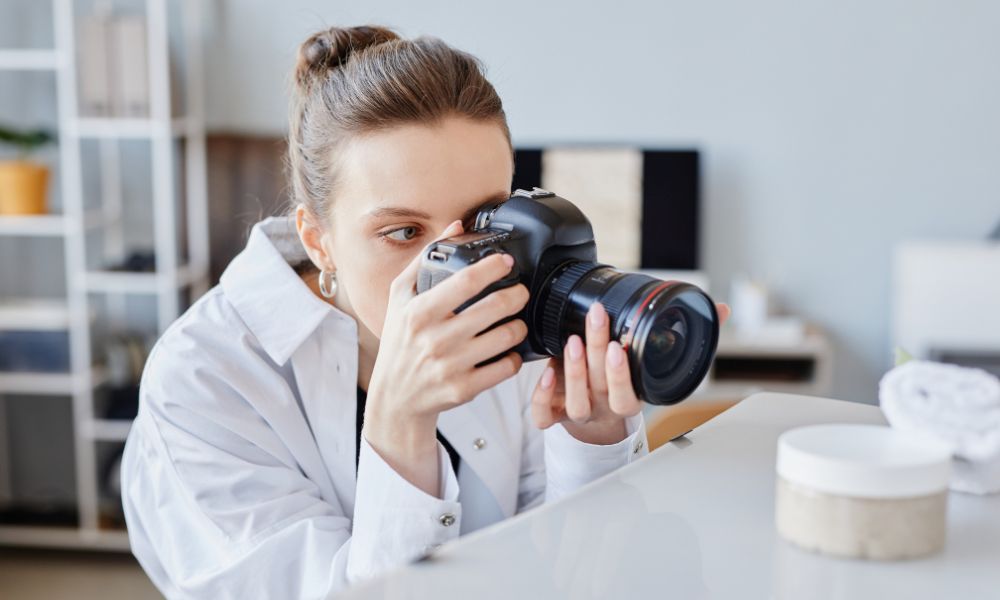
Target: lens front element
<point>674,342</point>
<point>665,345</point>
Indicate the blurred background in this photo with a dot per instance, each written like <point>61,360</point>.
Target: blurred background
<point>832,170</point>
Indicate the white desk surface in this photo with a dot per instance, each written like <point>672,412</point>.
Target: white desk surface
<point>695,519</point>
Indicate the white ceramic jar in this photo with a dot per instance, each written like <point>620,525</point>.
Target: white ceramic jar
<point>862,491</point>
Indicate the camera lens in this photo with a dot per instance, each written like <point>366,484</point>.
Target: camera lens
<point>670,329</point>
<point>674,339</point>
<point>665,344</point>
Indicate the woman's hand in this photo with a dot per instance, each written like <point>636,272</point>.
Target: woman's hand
<point>427,356</point>
<point>589,389</point>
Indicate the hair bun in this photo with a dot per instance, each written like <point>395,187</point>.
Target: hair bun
<point>331,48</point>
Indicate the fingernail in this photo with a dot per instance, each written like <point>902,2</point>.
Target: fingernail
<point>616,356</point>
<point>575,347</point>
<point>548,377</point>
<point>596,314</point>
<point>508,259</point>
<point>449,230</point>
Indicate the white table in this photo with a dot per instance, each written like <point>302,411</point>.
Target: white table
<point>695,519</point>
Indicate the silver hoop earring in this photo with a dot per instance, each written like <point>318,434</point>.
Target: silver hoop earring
<point>328,283</point>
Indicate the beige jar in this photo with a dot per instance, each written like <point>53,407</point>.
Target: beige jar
<point>862,491</point>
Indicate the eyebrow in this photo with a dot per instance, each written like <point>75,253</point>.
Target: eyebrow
<point>403,212</point>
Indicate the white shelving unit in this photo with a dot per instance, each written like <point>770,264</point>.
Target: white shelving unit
<point>162,130</point>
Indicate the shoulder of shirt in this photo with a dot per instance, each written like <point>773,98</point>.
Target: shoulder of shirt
<point>207,326</point>
<point>208,339</point>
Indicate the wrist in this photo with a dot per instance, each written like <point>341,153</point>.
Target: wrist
<point>407,444</point>
<point>600,433</point>
<point>398,434</point>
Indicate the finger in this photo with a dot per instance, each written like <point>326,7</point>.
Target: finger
<point>466,283</point>
<point>724,311</point>
<point>404,283</point>
<point>543,413</point>
<point>495,341</point>
<point>487,376</point>
<point>597,345</point>
<point>487,311</point>
<point>575,374</point>
<point>621,396</point>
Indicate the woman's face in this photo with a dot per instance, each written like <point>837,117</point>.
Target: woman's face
<point>398,190</point>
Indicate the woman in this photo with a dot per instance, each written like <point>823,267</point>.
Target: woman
<point>248,472</point>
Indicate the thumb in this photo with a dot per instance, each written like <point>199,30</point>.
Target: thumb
<point>405,283</point>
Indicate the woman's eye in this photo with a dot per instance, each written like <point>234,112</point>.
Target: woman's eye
<point>402,234</point>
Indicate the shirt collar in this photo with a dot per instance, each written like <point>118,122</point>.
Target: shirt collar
<point>276,305</point>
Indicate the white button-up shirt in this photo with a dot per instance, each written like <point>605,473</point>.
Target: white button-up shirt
<point>239,481</point>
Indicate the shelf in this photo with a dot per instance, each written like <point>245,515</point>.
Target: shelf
<point>128,128</point>
<point>33,225</point>
<point>46,384</point>
<point>28,60</point>
<point>64,537</point>
<point>187,196</point>
<point>108,430</point>
<point>53,225</point>
<point>810,345</point>
<point>125,282</point>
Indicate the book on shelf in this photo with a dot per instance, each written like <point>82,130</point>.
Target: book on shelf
<point>93,74</point>
<point>113,77</point>
<point>130,89</point>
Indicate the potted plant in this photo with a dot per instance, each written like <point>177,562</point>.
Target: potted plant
<point>23,182</point>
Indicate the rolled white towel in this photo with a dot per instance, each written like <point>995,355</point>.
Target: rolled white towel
<point>975,477</point>
<point>959,405</point>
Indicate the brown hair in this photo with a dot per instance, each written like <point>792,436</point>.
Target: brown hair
<point>350,81</point>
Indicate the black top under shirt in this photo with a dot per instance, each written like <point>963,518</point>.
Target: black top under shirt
<point>362,396</point>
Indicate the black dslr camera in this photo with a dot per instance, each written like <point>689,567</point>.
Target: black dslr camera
<point>669,329</point>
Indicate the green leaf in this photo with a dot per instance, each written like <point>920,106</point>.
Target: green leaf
<point>26,141</point>
<point>902,356</point>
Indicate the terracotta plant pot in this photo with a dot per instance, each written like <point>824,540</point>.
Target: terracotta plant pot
<point>23,187</point>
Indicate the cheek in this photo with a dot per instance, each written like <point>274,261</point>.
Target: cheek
<point>368,281</point>
<point>370,299</point>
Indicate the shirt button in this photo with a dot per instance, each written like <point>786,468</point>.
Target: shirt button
<point>637,447</point>
<point>447,519</point>
<point>479,443</point>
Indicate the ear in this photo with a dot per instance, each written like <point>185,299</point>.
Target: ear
<point>314,238</point>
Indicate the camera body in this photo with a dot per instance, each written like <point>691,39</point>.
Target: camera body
<point>539,229</point>
<point>669,329</point>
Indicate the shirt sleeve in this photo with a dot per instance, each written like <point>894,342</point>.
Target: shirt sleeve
<point>217,507</point>
<point>571,463</point>
<point>554,463</point>
<point>394,520</point>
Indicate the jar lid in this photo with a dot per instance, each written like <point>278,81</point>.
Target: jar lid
<point>866,461</point>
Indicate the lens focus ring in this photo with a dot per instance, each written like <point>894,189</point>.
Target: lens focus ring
<point>555,304</point>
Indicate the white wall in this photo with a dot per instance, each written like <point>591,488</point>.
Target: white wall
<point>831,130</point>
